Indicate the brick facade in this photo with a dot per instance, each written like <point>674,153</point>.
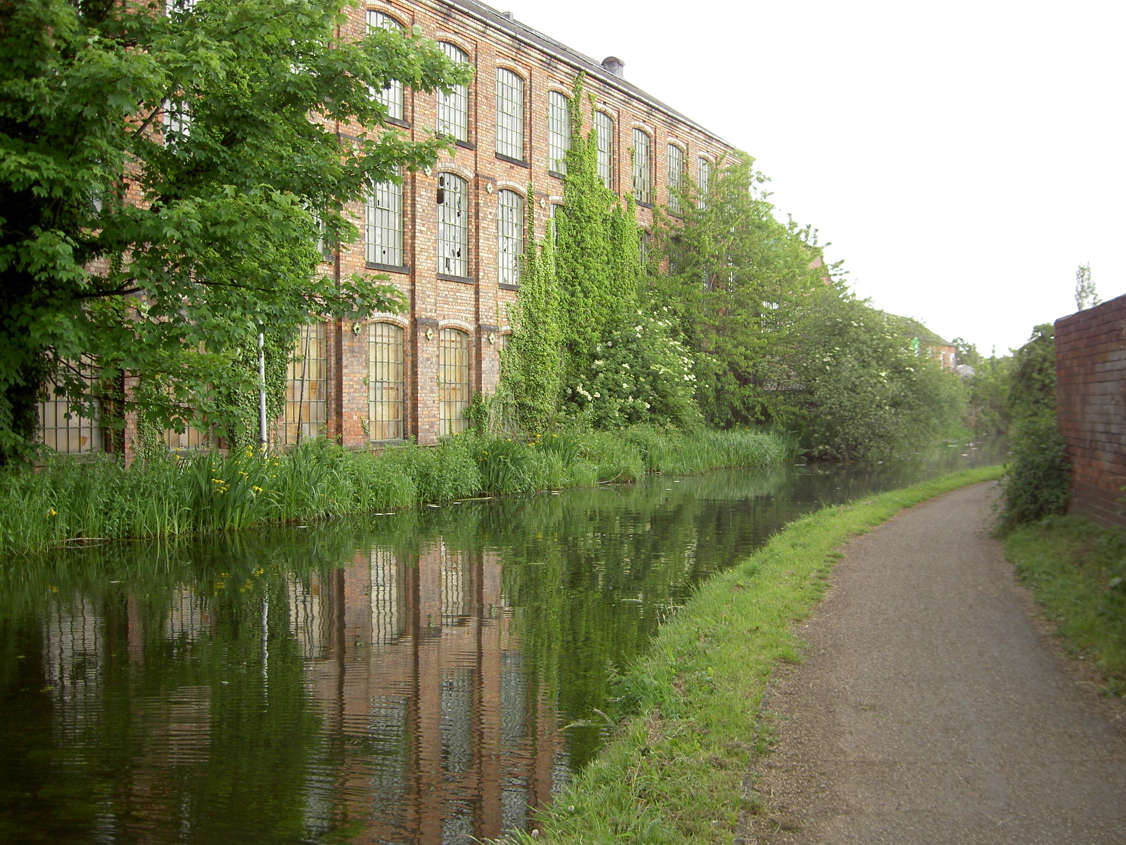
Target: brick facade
<point>477,303</point>
<point>1091,397</point>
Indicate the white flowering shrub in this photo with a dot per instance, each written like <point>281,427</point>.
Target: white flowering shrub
<point>640,373</point>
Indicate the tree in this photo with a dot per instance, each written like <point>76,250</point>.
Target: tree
<point>736,278</point>
<point>531,364</point>
<point>1085,294</point>
<point>161,181</point>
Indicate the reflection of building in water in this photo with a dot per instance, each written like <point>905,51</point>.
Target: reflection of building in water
<point>420,681</point>
<point>431,726</point>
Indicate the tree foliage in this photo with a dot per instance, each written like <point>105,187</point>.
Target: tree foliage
<point>597,265</point>
<point>161,178</point>
<point>531,364</point>
<point>1038,476</point>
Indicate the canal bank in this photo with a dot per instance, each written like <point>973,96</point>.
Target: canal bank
<point>431,675</point>
<point>675,770</point>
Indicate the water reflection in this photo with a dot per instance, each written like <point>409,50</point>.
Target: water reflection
<point>421,678</point>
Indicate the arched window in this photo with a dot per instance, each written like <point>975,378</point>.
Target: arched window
<point>642,180</point>
<point>392,94</point>
<point>453,225</point>
<point>453,108</point>
<point>383,225</point>
<point>306,394</point>
<point>604,127</point>
<point>702,182</point>
<point>453,381</point>
<point>558,131</point>
<point>386,382</point>
<point>676,177</point>
<point>510,114</point>
<point>510,236</point>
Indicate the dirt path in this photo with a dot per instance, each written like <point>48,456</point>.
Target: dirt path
<point>931,707</point>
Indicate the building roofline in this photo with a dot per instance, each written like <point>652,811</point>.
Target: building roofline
<point>522,32</point>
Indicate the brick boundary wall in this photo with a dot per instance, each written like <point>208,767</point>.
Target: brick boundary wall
<point>1091,401</point>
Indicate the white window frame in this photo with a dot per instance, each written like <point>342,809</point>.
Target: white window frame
<point>510,114</point>
<point>510,236</point>
<point>642,166</point>
<point>453,108</point>
<point>383,224</point>
<point>453,225</point>
<point>391,96</point>
<point>558,131</point>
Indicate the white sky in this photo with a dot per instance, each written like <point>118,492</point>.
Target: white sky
<point>962,158</point>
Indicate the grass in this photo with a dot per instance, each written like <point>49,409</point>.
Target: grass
<point>687,713</point>
<point>1077,571</point>
<point>68,500</point>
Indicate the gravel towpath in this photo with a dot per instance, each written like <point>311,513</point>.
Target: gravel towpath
<point>933,707</point>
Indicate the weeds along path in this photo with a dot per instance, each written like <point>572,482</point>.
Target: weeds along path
<point>930,706</point>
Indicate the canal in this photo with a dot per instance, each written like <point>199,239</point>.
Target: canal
<point>418,677</point>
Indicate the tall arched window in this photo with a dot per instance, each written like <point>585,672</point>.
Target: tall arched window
<point>702,182</point>
<point>642,180</point>
<point>510,114</point>
<point>306,394</point>
<point>386,382</point>
<point>383,225</point>
<point>453,225</point>
<point>676,177</point>
<point>392,94</point>
<point>510,236</point>
<point>604,128</point>
<point>558,131</point>
<point>453,381</point>
<point>453,108</point>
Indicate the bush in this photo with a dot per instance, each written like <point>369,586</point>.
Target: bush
<point>1037,480</point>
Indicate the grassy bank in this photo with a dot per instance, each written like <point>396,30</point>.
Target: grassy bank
<point>688,711</point>
<point>1077,571</point>
<point>68,499</point>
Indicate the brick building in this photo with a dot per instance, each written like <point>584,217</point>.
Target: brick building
<point>450,238</point>
<point>1091,408</point>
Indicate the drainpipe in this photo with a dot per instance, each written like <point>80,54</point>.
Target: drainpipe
<point>262,390</point>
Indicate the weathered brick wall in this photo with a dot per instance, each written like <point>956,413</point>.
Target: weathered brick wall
<point>1091,396</point>
<point>477,303</point>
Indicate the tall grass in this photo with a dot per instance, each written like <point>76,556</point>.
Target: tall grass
<point>68,501</point>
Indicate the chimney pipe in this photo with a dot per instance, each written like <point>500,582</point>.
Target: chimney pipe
<point>615,65</point>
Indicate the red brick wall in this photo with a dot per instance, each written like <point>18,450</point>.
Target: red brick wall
<point>478,303</point>
<point>1091,396</point>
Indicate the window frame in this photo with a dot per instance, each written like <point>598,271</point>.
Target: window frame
<point>605,147</point>
<point>456,102</point>
<point>310,346</point>
<point>676,177</point>
<point>642,167</point>
<point>383,220</point>
<point>510,121</point>
<point>510,237</point>
<point>392,95</point>
<point>558,131</point>
<point>453,393</point>
<point>455,223</point>
<point>704,173</point>
<point>389,339</point>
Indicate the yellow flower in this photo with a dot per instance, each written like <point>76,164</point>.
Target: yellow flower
<point>256,489</point>
<point>52,512</point>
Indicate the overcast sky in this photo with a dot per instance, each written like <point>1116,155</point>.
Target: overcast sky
<point>961,158</point>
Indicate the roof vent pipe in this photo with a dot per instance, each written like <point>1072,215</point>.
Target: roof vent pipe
<point>615,65</point>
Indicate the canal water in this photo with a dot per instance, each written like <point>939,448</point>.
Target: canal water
<point>419,677</point>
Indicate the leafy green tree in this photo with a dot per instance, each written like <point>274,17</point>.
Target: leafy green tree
<point>1085,294</point>
<point>597,265</point>
<point>531,364</point>
<point>1038,477</point>
<point>161,179</point>
<point>735,279</point>
<point>860,391</point>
